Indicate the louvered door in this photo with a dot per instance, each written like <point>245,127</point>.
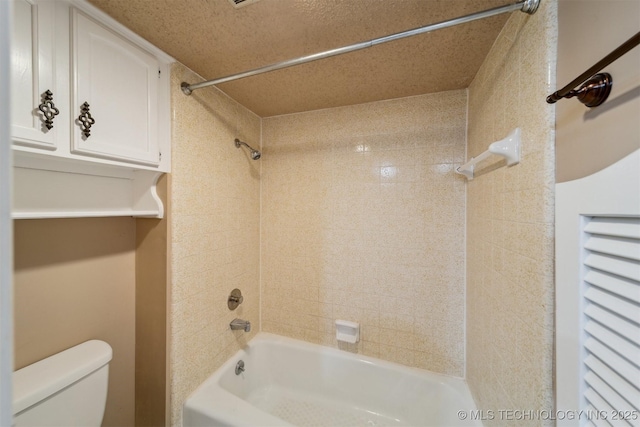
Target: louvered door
<point>598,297</point>
<point>611,321</point>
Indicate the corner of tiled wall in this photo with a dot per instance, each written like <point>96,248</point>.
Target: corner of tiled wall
<point>510,223</point>
<point>214,227</point>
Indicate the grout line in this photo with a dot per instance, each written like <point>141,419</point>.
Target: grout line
<point>260,235</point>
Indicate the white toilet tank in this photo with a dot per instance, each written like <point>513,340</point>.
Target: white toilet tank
<point>66,389</point>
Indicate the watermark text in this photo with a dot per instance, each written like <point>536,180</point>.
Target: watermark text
<point>536,415</point>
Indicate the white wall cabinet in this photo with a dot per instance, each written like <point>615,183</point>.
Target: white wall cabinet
<point>32,73</point>
<point>118,81</point>
<point>108,111</point>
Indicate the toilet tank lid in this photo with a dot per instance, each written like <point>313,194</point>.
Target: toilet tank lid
<point>36,382</point>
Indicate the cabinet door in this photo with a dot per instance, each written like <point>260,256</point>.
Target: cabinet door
<point>32,74</point>
<point>119,82</point>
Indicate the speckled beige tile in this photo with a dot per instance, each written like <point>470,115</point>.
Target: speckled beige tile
<point>510,223</point>
<point>372,186</point>
<point>213,225</point>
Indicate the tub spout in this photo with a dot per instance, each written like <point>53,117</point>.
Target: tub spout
<point>237,324</point>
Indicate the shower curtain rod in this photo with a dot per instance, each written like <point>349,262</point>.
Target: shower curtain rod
<point>526,6</point>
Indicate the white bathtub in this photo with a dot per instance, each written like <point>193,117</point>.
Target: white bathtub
<point>293,383</point>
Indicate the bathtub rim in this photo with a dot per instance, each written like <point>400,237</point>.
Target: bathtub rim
<point>343,354</point>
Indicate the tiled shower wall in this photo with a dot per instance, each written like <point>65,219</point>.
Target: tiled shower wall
<point>363,219</point>
<point>510,223</point>
<point>214,212</point>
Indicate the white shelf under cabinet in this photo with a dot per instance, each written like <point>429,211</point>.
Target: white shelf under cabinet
<point>50,187</point>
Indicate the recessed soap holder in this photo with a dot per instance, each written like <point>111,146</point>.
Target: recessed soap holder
<point>347,331</point>
<point>235,299</point>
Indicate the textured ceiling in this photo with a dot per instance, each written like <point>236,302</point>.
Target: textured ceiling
<point>214,39</point>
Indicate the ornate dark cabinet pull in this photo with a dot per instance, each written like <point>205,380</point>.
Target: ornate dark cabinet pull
<point>48,109</point>
<point>85,119</point>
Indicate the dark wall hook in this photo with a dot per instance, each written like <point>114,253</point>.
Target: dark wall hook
<point>595,88</point>
<point>593,92</point>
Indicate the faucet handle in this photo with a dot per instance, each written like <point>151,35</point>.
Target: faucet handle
<point>235,299</point>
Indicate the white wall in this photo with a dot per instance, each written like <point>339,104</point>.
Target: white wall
<point>6,262</point>
<point>588,140</point>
